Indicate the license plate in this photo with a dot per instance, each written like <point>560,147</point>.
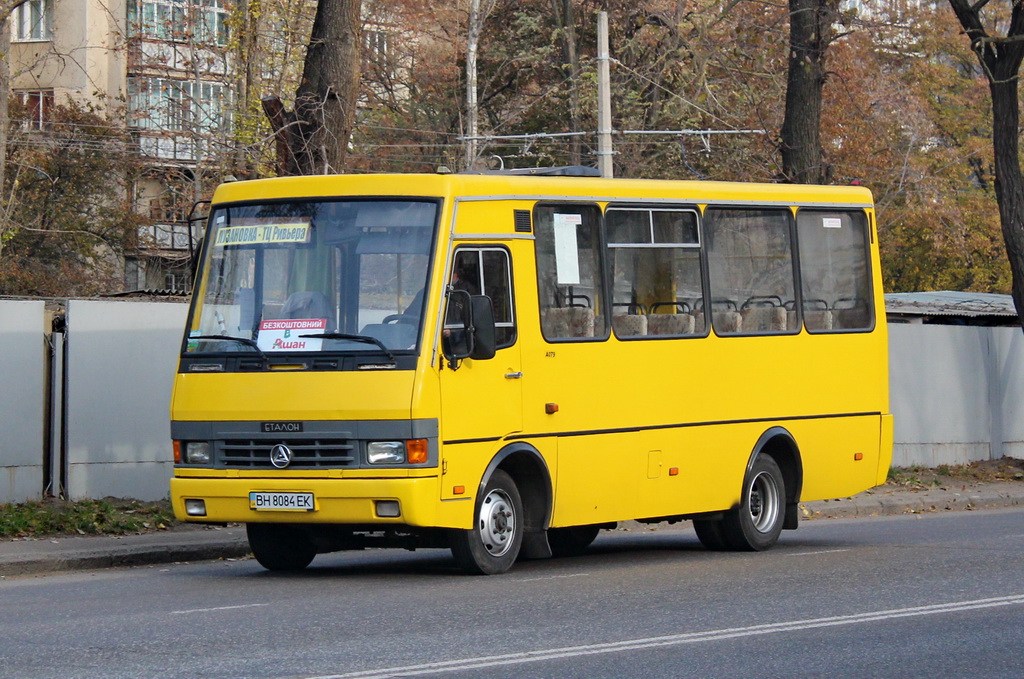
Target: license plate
<point>302,502</point>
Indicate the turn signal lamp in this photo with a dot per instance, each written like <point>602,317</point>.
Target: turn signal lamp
<point>416,451</point>
<point>177,452</point>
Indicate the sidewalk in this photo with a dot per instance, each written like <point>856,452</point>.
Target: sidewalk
<point>198,543</point>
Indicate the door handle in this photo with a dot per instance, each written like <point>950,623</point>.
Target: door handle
<point>513,376</point>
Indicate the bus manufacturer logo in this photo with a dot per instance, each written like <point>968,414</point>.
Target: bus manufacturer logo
<point>281,456</point>
<point>278,427</point>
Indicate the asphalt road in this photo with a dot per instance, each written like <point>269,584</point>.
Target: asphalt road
<point>915,596</point>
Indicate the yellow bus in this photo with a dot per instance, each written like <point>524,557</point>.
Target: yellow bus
<point>504,365</point>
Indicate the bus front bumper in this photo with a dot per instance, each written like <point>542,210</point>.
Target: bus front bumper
<point>388,501</point>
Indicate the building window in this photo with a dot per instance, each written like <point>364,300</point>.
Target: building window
<point>32,20</point>
<point>205,21</point>
<point>178,105</point>
<point>38,105</point>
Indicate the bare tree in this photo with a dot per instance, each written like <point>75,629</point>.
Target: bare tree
<point>1000,56</point>
<point>313,138</point>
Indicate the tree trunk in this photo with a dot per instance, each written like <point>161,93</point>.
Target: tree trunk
<point>810,32</point>
<point>1009,181</point>
<point>565,19</point>
<point>472,108</point>
<point>1000,56</point>
<point>314,138</point>
<point>5,93</point>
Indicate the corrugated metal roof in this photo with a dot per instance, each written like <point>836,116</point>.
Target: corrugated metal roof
<point>949,303</point>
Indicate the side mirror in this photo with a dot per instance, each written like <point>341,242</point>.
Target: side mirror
<point>483,345</point>
<point>469,328</point>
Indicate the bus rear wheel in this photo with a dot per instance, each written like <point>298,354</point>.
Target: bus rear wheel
<point>756,524</point>
<point>280,547</point>
<point>709,532</point>
<point>492,545</point>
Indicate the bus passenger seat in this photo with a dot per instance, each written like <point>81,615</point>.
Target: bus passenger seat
<point>727,322</point>
<point>629,325</point>
<point>670,324</point>
<point>764,319</point>
<point>567,321</point>
<point>817,319</point>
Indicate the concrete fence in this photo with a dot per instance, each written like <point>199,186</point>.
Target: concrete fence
<point>84,411</point>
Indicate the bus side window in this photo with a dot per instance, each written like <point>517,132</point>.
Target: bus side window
<point>488,271</point>
<point>835,274</point>
<point>750,266</point>
<point>569,272</point>
<point>654,256</point>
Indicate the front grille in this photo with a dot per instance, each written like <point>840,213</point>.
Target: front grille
<point>255,453</point>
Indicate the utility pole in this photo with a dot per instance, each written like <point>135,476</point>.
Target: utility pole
<point>476,20</point>
<point>604,99</point>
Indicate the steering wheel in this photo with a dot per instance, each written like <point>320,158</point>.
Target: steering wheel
<point>400,318</point>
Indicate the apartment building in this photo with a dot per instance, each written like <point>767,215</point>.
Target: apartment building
<point>161,69</point>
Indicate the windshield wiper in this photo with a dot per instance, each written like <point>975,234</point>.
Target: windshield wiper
<point>228,338</point>
<point>355,338</point>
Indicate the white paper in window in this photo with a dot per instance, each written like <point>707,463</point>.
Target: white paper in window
<point>832,222</point>
<point>567,264</point>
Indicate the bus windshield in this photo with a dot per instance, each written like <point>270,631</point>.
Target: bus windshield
<point>314,276</point>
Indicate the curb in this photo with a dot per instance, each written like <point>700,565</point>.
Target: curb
<point>997,496</point>
<point>52,556</point>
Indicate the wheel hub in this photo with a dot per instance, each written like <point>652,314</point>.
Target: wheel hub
<point>763,502</point>
<point>497,523</point>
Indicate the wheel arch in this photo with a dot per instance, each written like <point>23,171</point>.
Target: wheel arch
<point>779,444</point>
<point>530,472</point>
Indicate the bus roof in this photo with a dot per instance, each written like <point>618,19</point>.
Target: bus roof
<point>518,187</point>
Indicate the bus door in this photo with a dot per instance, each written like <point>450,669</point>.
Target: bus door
<point>481,400</point>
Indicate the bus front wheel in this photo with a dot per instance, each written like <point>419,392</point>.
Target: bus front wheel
<point>492,545</point>
<point>279,547</point>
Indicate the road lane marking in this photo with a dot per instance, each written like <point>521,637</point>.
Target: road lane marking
<point>483,662</point>
<point>823,551</point>
<point>216,608</point>
<point>552,577</point>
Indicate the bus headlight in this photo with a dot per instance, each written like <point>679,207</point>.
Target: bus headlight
<point>197,452</point>
<point>385,452</point>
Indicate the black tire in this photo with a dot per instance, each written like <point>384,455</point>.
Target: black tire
<point>280,547</point>
<point>571,541</point>
<point>492,545</point>
<point>709,532</point>
<point>756,524</point>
